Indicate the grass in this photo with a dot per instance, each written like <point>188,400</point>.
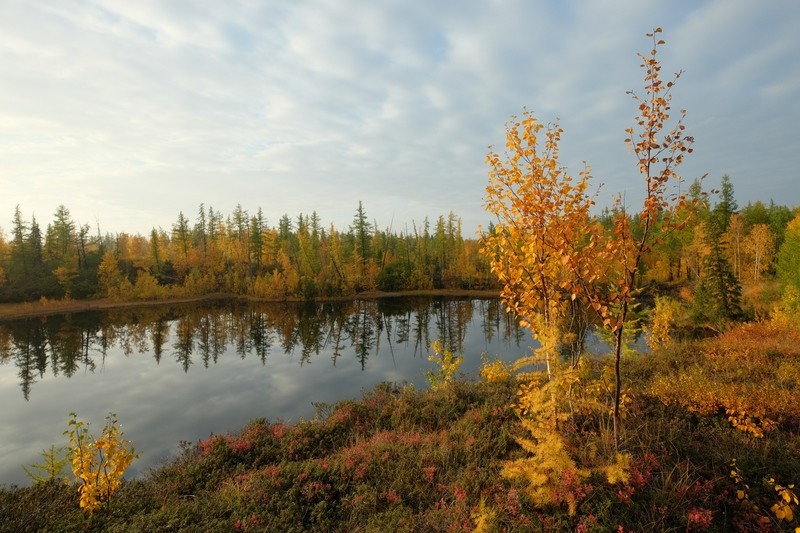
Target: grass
<point>405,460</point>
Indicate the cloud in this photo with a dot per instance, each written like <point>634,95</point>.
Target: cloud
<point>129,113</point>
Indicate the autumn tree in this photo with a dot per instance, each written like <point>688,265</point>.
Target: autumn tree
<point>542,214</point>
<point>759,248</point>
<point>541,218</point>
<point>735,237</point>
<point>788,264</point>
<point>111,280</point>
<point>659,149</point>
<point>239,254</point>
<point>544,244</point>
<point>258,226</point>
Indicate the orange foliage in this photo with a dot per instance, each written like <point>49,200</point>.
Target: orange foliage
<point>750,373</point>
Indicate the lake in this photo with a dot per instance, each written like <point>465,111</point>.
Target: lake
<point>177,373</point>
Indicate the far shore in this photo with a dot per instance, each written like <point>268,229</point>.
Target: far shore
<point>13,311</point>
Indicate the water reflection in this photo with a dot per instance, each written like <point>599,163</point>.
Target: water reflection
<point>182,372</point>
<point>201,333</point>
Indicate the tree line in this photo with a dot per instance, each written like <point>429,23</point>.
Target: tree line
<point>240,253</point>
<point>243,254</point>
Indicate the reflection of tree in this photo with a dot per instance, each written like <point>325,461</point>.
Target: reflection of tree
<point>286,327</point>
<point>311,329</point>
<point>184,342</point>
<point>402,328</point>
<point>69,344</point>
<point>496,321</point>
<point>359,329</point>
<point>25,367</point>
<point>336,321</point>
<point>213,330</point>
<point>260,335</point>
<point>421,337</point>
<point>452,317</point>
<point>159,333</point>
<point>219,335</point>
<point>6,345</point>
<point>204,339</point>
<point>38,347</point>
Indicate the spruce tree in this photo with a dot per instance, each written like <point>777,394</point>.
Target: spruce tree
<point>719,293</point>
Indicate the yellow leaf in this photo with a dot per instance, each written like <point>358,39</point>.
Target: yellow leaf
<point>778,511</point>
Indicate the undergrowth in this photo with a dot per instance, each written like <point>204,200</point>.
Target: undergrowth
<point>405,460</point>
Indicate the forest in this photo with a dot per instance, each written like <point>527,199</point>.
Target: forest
<point>238,254</point>
<point>242,254</point>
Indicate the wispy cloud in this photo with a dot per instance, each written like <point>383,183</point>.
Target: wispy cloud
<point>130,112</point>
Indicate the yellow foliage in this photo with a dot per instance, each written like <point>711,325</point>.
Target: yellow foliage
<point>663,318</point>
<point>485,518</point>
<point>620,470</point>
<point>98,464</point>
<point>548,252</point>
<point>542,472</point>
<point>547,399</point>
<point>495,371</point>
<point>53,462</point>
<point>783,508</point>
<point>788,310</point>
<point>750,372</point>
<point>447,363</point>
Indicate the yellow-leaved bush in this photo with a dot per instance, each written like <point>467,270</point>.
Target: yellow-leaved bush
<point>495,371</point>
<point>98,463</point>
<point>447,365</point>
<point>662,320</point>
<point>553,394</point>
<point>784,498</point>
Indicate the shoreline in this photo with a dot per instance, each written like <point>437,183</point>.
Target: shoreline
<point>16,311</point>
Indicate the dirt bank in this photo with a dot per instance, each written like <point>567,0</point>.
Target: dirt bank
<point>12,311</point>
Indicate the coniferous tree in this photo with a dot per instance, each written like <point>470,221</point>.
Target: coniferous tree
<point>719,293</point>
<point>201,230</point>
<point>726,206</point>
<point>362,231</point>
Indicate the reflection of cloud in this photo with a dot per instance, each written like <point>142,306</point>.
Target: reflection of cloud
<point>160,405</point>
<point>106,102</point>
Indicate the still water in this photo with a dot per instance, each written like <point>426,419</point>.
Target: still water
<point>183,372</point>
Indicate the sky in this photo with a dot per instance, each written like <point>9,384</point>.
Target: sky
<point>129,113</point>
